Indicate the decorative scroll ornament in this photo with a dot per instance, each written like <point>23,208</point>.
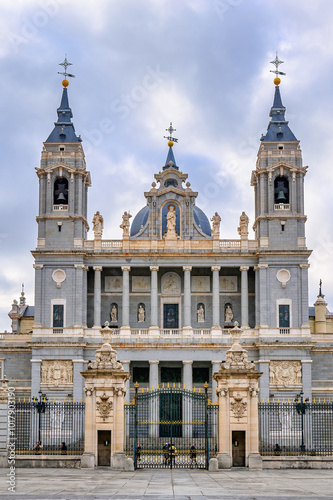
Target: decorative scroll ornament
<point>105,359</point>
<point>285,373</point>
<point>104,406</point>
<point>238,406</point>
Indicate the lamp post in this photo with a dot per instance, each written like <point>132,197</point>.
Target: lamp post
<point>40,407</point>
<point>301,407</point>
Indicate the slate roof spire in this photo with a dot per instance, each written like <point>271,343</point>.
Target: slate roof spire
<point>170,160</point>
<point>278,129</point>
<point>63,128</point>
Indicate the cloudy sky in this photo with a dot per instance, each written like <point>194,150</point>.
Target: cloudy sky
<point>139,64</point>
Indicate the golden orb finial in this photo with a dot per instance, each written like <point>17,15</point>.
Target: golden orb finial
<point>170,144</point>
<point>277,81</point>
<point>65,83</point>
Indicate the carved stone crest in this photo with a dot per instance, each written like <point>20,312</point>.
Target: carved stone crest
<point>105,359</point>
<point>104,406</point>
<point>238,406</point>
<point>285,373</point>
<point>57,372</point>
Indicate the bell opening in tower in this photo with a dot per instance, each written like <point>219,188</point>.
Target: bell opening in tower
<point>60,192</point>
<point>281,190</point>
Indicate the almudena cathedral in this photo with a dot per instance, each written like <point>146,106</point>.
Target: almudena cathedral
<point>172,298</point>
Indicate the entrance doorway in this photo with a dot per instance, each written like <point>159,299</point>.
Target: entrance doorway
<point>104,448</point>
<point>170,316</point>
<point>238,448</point>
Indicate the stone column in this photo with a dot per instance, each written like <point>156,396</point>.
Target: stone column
<point>256,296</point>
<point>187,299</point>
<point>97,296</point>
<point>263,367</point>
<point>263,310</point>
<point>78,381</point>
<point>39,297</point>
<point>244,297</point>
<point>304,298</point>
<point>215,369</point>
<point>153,374</point>
<point>154,330</point>
<point>307,378</point>
<point>125,328</point>
<point>216,328</point>
<point>126,365</point>
<point>80,298</point>
<point>187,375</point>
<point>35,377</point>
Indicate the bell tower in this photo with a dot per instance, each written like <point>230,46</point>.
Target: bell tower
<point>282,270</point>
<point>63,183</point>
<point>62,227</point>
<point>279,182</point>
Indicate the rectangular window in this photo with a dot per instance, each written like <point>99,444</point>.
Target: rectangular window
<point>171,374</point>
<point>284,316</point>
<point>200,375</point>
<point>58,316</point>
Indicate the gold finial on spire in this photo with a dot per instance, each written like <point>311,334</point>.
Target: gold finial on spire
<point>277,63</point>
<point>171,140</point>
<point>65,64</point>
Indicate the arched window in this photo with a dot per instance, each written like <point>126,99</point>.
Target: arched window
<point>60,192</point>
<point>281,190</point>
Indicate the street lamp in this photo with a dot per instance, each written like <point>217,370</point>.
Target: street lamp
<point>40,407</point>
<point>301,406</point>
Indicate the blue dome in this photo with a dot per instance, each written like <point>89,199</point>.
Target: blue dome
<point>201,220</point>
<point>139,220</point>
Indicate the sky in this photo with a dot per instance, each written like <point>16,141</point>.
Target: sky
<point>140,64</point>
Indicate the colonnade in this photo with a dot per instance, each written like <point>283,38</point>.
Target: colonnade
<point>187,296</point>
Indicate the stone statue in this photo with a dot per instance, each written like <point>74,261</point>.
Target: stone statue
<point>229,315</point>
<point>97,226</point>
<point>243,229</point>
<point>125,225</point>
<point>216,220</point>
<point>114,313</point>
<point>201,314</point>
<point>141,314</point>
<point>171,219</point>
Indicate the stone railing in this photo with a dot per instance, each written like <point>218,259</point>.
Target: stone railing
<point>137,245</point>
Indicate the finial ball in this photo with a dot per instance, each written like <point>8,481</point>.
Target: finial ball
<point>170,144</point>
<point>277,81</point>
<point>65,83</point>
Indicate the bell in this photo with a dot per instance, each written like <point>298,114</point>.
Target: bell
<point>281,197</point>
<point>61,197</point>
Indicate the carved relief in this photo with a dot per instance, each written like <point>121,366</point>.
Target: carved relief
<point>200,284</point>
<point>113,284</point>
<point>238,406</point>
<point>140,284</point>
<point>104,406</point>
<point>170,284</point>
<point>228,283</point>
<point>57,372</point>
<point>285,373</point>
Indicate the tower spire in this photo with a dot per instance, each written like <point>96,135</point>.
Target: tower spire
<point>170,160</point>
<point>64,129</point>
<point>278,129</point>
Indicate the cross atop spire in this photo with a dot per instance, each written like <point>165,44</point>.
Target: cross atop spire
<point>277,63</point>
<point>65,64</point>
<point>169,137</point>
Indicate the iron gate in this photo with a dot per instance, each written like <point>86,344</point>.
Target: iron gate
<point>171,428</point>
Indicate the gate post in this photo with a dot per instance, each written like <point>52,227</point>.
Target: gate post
<point>237,389</point>
<point>105,388</point>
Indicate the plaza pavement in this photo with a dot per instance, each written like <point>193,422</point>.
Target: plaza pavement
<point>103,483</point>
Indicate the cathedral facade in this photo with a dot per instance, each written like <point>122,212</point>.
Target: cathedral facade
<point>167,294</point>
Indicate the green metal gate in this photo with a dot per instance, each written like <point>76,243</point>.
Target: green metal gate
<point>171,428</point>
